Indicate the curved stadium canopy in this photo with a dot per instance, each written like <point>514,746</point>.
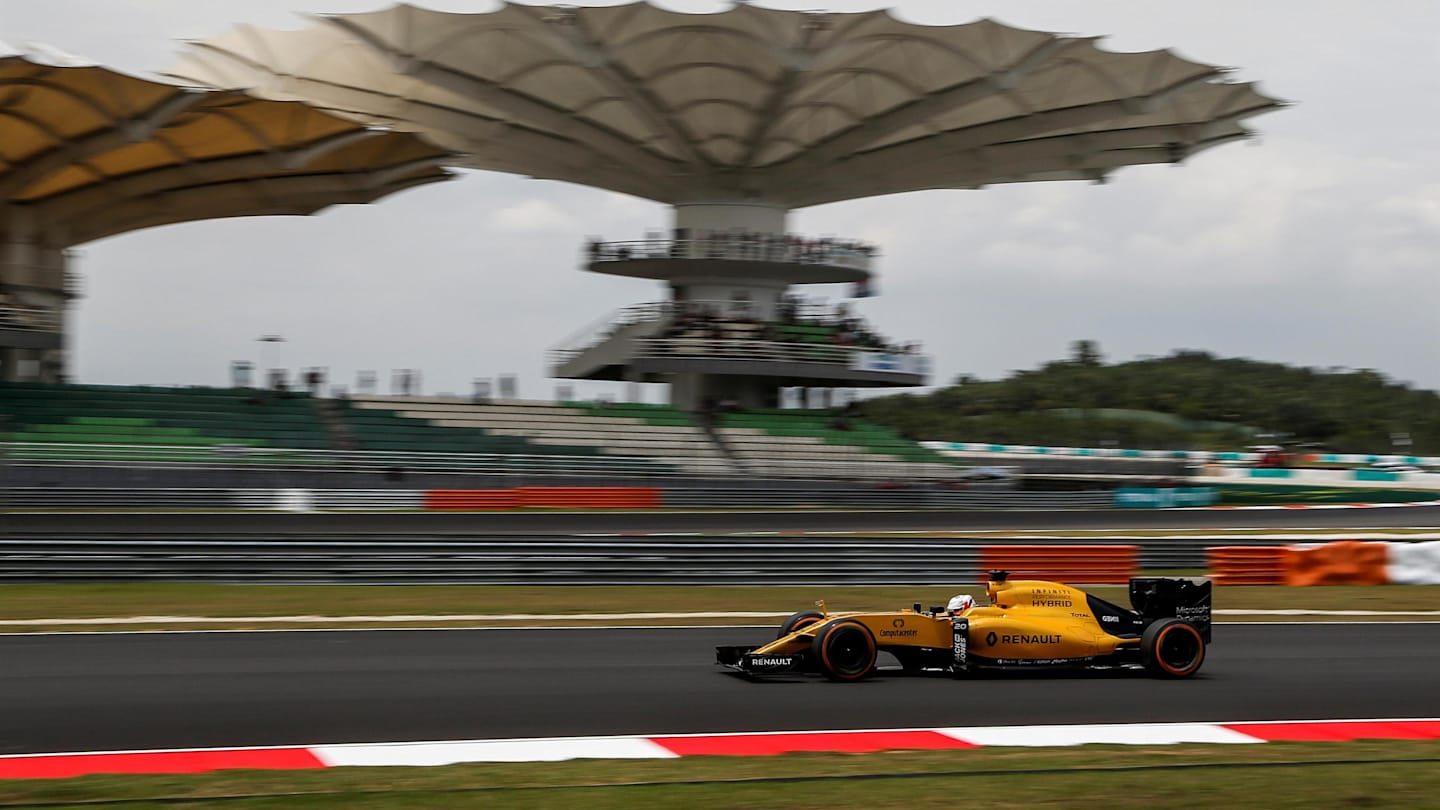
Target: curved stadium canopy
<point>782,107</point>
<point>88,152</point>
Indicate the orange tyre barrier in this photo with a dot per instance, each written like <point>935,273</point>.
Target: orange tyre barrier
<point>1079,564</point>
<point>470,499</point>
<point>564,497</point>
<point>1345,563</point>
<point>1248,565</point>
<point>590,497</point>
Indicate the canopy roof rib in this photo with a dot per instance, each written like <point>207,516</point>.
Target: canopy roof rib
<point>87,152</point>
<point>781,107</point>
<point>569,29</point>
<point>510,103</point>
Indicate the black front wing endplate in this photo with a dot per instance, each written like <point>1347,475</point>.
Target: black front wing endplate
<point>743,660</point>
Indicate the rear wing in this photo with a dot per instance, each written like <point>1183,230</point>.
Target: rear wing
<point>1186,598</point>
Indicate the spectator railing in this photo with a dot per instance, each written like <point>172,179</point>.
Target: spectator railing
<point>597,331</point>
<point>28,319</point>
<point>799,312</point>
<point>779,352</point>
<point>742,248</point>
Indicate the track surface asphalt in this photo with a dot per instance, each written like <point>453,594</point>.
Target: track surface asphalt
<point>110,692</point>
<point>540,523</point>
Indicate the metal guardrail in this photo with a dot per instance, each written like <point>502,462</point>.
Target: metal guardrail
<point>292,499</point>
<point>538,560</point>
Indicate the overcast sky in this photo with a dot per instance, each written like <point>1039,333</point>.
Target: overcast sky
<point>1317,244</point>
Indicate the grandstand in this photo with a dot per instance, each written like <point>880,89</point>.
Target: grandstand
<point>139,423</point>
<point>100,422</point>
<point>449,424</point>
<point>775,442</point>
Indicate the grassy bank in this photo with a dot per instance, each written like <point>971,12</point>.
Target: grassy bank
<point>1276,776</point>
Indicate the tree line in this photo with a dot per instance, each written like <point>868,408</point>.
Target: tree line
<point>1187,400</point>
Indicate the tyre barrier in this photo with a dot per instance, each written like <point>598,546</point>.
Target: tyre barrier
<point>1343,563</point>
<point>591,497</point>
<point>1347,562</point>
<point>1091,564</point>
<point>1247,565</point>
<point>554,497</point>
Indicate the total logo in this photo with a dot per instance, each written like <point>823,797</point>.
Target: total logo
<point>899,630</point>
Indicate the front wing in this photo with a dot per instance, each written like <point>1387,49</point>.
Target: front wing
<point>743,659</point>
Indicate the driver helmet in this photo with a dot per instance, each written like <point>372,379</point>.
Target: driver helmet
<point>960,604</point>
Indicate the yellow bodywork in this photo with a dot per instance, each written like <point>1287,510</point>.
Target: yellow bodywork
<point>1026,620</point>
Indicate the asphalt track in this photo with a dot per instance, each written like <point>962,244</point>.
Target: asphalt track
<point>109,692</point>
<point>543,523</point>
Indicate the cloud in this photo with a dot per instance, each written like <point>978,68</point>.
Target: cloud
<point>534,216</point>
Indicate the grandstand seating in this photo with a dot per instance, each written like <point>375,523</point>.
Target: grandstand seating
<point>96,422</point>
<point>142,416</point>
<point>795,442</point>
<point>636,432</point>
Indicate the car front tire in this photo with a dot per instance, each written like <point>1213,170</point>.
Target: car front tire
<point>845,650</point>
<point>803,619</point>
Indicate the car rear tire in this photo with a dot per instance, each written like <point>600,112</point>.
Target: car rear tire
<point>804,618</point>
<point>845,650</point>
<point>1172,648</point>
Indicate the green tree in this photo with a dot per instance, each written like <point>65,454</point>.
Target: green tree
<point>1086,353</point>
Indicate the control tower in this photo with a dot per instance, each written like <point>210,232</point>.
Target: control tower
<point>735,119</point>
<point>87,152</point>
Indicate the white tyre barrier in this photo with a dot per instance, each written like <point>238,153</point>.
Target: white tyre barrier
<point>1414,563</point>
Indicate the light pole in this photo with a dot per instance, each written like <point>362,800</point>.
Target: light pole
<point>264,370</point>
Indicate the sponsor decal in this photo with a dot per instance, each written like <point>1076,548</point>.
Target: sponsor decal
<point>1043,662</point>
<point>1051,597</point>
<point>991,638</point>
<point>1110,619</point>
<point>961,629</point>
<point>899,631</point>
<point>770,660</point>
<point>1200,610</point>
<point>1025,638</point>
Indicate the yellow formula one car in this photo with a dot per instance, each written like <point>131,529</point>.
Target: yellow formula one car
<point>1028,624</point>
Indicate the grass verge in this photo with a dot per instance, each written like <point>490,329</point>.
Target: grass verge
<point>1275,776</point>
<point>58,603</point>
